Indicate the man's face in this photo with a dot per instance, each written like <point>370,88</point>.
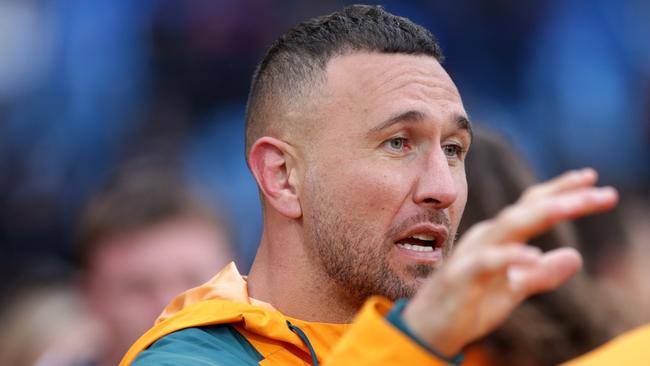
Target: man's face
<point>133,276</point>
<point>385,181</point>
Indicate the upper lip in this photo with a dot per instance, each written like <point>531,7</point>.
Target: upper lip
<point>439,232</point>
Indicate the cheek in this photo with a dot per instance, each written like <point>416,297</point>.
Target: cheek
<point>371,192</point>
<point>458,207</point>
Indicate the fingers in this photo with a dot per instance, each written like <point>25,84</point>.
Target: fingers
<point>491,270</point>
<point>525,220</point>
<point>470,295</point>
<point>554,269</point>
<point>567,181</point>
<point>566,197</point>
<point>497,259</point>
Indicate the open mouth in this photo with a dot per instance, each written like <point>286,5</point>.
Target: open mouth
<point>418,243</point>
<point>423,240</point>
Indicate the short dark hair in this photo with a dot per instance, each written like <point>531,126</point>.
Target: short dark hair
<point>136,200</point>
<point>301,55</point>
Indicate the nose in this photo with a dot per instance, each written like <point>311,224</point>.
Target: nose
<point>436,187</point>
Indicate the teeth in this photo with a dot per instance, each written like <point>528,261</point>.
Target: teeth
<point>417,248</point>
<point>424,237</point>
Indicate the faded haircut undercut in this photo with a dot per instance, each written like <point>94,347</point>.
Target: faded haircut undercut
<point>296,62</point>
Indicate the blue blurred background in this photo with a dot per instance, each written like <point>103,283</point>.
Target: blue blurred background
<point>88,86</point>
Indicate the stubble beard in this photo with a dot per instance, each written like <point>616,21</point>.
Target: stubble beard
<point>356,259</point>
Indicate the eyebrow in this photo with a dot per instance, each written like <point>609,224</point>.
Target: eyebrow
<point>462,122</point>
<point>465,124</point>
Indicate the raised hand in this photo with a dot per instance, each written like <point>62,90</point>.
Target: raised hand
<point>493,269</point>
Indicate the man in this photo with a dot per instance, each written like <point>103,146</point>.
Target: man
<point>356,136</point>
<point>142,240</point>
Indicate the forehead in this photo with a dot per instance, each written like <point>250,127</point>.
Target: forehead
<point>377,84</point>
<point>190,242</point>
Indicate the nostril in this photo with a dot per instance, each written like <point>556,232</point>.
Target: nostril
<point>431,201</point>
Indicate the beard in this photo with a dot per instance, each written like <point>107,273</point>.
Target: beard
<point>357,260</point>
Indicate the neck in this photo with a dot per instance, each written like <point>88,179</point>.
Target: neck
<point>288,277</point>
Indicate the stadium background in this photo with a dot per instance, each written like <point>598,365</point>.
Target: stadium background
<point>88,86</point>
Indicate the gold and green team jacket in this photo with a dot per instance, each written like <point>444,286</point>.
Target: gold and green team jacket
<point>218,324</point>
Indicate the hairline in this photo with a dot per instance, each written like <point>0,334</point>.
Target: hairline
<point>317,75</point>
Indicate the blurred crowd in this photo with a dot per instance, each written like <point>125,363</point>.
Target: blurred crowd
<point>122,173</point>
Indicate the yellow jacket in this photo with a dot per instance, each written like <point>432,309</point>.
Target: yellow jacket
<point>224,300</point>
<point>629,349</point>
<point>369,340</point>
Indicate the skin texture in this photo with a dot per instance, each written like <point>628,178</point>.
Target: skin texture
<point>366,186</point>
<point>336,202</point>
<point>351,193</point>
<point>134,275</point>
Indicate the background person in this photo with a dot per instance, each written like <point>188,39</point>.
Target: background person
<point>47,325</point>
<point>142,240</point>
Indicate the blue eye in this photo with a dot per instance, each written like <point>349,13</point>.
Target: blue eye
<point>452,151</point>
<point>397,143</point>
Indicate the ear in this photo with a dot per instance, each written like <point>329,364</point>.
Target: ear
<point>272,162</point>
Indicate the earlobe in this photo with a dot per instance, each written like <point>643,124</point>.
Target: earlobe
<point>272,162</point>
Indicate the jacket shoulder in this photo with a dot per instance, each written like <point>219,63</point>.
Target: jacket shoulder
<point>218,345</point>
